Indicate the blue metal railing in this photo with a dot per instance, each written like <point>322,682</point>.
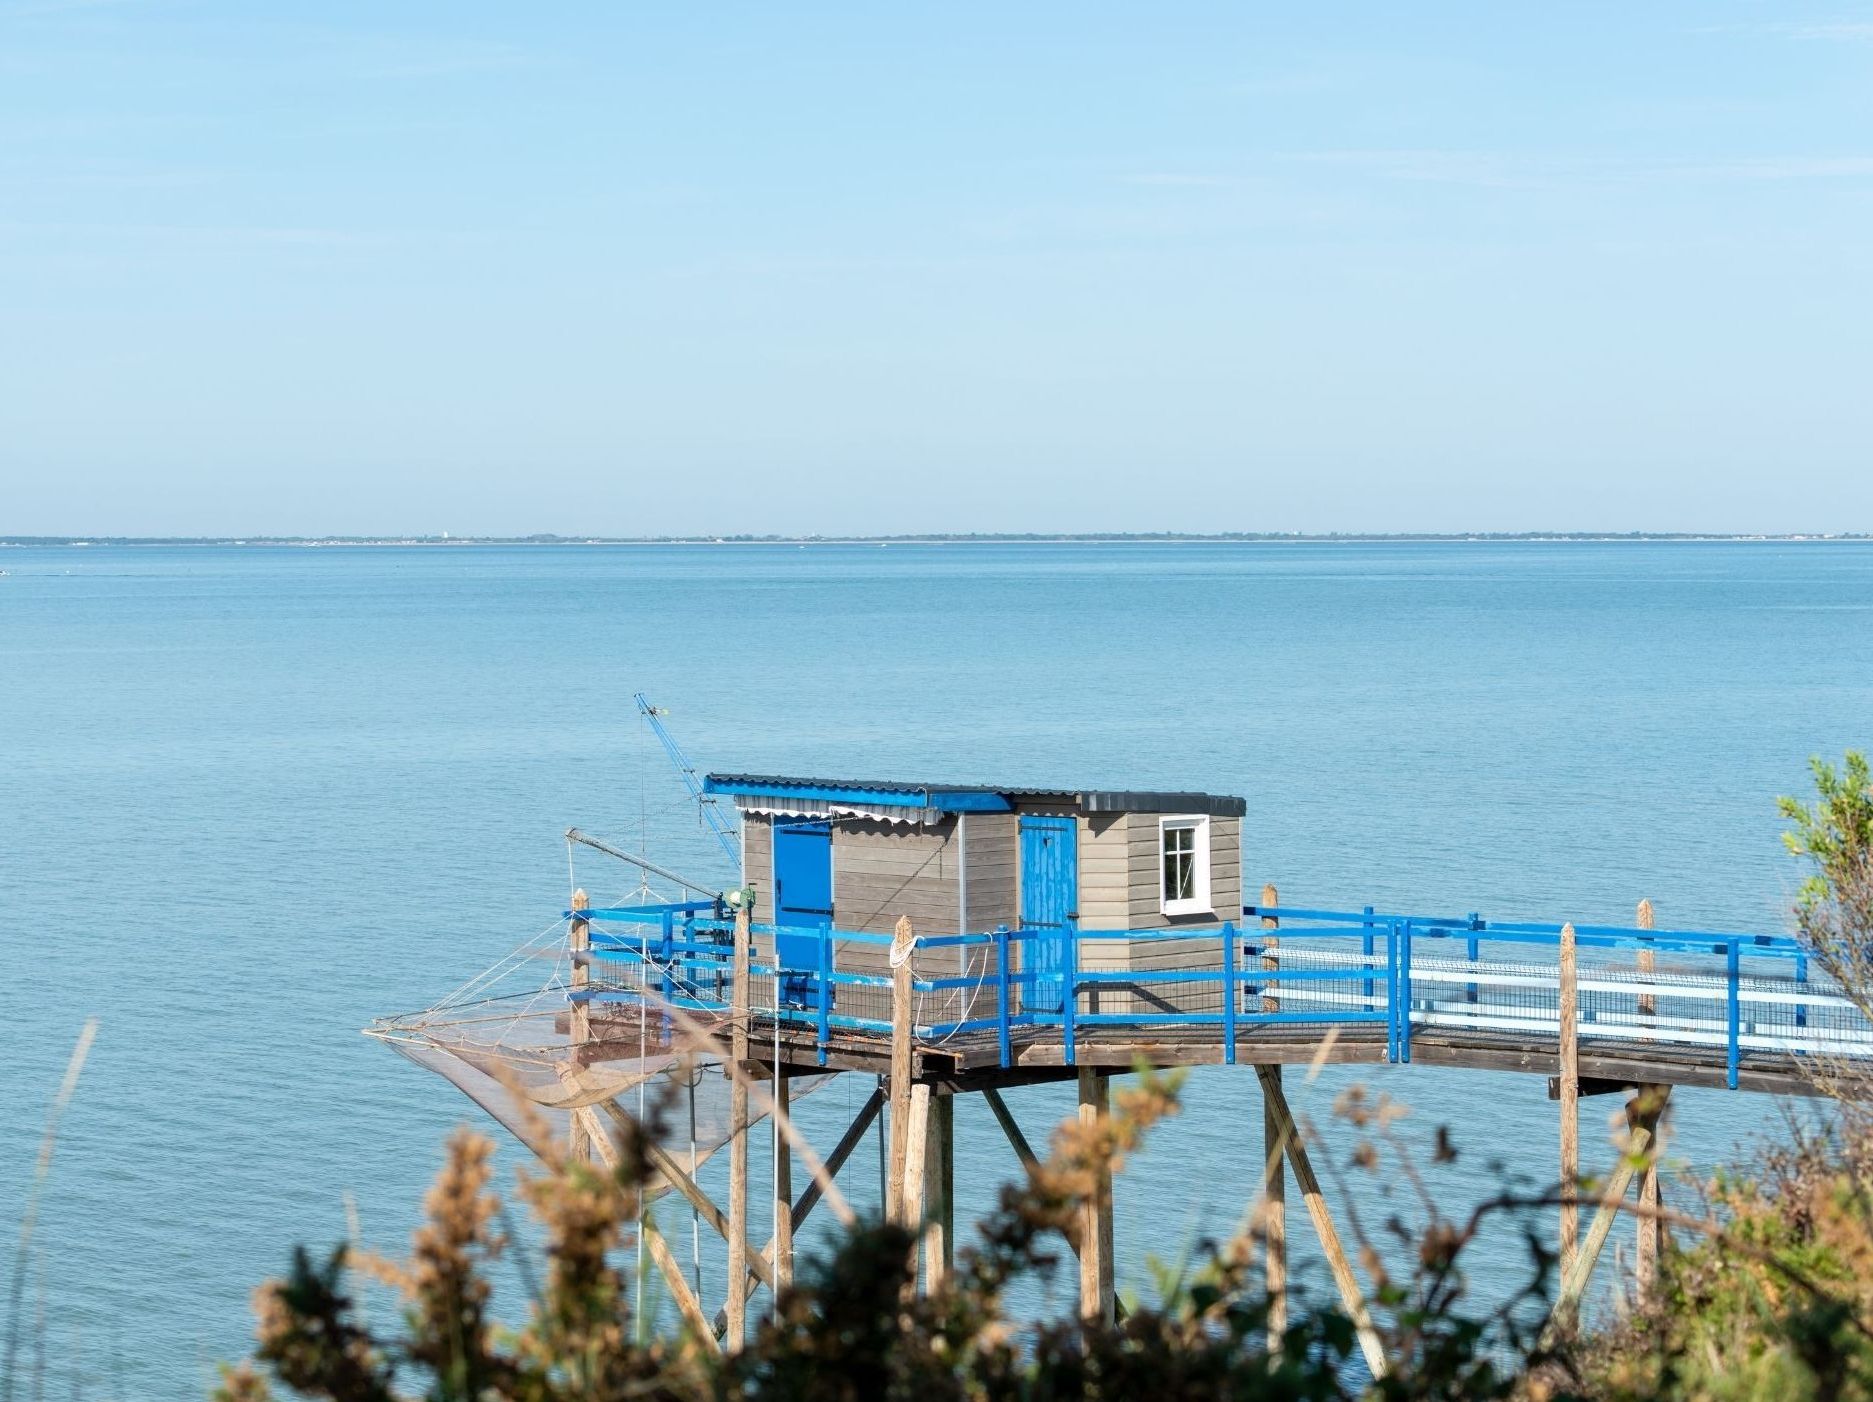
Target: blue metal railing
<point>1313,967</point>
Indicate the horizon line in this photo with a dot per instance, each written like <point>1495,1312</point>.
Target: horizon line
<point>446,539</point>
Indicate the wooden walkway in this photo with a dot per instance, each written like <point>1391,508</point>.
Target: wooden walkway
<point>974,1062</point>
<point>1593,1009</point>
<point>1644,1006</point>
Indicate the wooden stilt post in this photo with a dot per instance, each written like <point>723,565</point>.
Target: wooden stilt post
<point>1025,1152</point>
<point>1570,1100</point>
<point>916,1169</point>
<point>1275,1178</point>
<point>579,945</point>
<point>1274,1206</point>
<point>1011,1128</point>
<point>1070,1229</point>
<point>843,1150</point>
<point>783,1193</point>
<point>884,1148</point>
<point>1646,1112</point>
<point>1649,1228</point>
<point>738,1137</point>
<point>1096,1298</point>
<point>1574,1279</point>
<point>758,1261</point>
<point>901,1029</point>
<point>940,1236</point>
<point>1351,1300</point>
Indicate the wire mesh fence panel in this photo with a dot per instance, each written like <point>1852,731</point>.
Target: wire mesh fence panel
<point>1717,997</point>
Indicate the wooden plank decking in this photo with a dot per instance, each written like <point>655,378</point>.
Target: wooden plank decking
<point>972,1060</point>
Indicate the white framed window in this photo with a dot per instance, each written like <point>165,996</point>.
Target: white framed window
<point>1184,866</point>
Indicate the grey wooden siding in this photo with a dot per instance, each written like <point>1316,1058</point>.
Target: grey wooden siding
<point>1105,871</point>
<point>1146,874</point>
<point>1119,873</point>
<point>1226,868</point>
<point>1119,890</point>
<point>881,871</point>
<point>992,849</point>
<point>1155,956</point>
<point>757,847</point>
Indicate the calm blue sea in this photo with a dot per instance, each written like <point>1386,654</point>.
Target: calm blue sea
<point>251,798</point>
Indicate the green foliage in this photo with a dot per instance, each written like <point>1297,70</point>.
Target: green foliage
<point>1836,831</point>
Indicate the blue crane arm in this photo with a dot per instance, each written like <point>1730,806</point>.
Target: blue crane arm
<point>710,809</point>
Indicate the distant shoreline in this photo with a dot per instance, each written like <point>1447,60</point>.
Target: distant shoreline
<point>984,538</point>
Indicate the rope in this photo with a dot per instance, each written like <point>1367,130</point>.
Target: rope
<point>500,967</point>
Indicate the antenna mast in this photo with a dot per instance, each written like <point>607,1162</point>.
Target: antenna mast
<point>705,803</point>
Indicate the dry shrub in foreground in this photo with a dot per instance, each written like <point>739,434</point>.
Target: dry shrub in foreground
<point>1770,1301</point>
<point>852,1328</point>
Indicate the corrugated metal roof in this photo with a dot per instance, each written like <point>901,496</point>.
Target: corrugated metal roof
<point>958,797</point>
<point>1140,801</point>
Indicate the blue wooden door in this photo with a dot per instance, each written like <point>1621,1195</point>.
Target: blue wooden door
<point>1050,886</point>
<point>802,903</point>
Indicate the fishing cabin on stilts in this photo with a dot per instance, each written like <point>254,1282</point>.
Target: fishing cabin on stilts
<point>964,939</point>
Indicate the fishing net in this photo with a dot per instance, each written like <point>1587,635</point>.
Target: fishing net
<point>514,1041</point>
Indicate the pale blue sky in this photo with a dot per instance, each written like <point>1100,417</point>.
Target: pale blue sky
<point>675,267</point>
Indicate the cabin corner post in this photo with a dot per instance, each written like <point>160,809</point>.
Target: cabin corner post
<point>738,1134</point>
<point>902,1028</point>
<point>1097,1302</point>
<point>578,951</point>
<point>1570,1100</point>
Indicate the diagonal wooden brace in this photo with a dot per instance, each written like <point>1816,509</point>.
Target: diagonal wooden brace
<point>1024,1151</point>
<point>686,1303</point>
<point>667,1165</point>
<point>1351,1300</point>
<point>758,1264</point>
<point>1574,1283</point>
<point>808,1200</point>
